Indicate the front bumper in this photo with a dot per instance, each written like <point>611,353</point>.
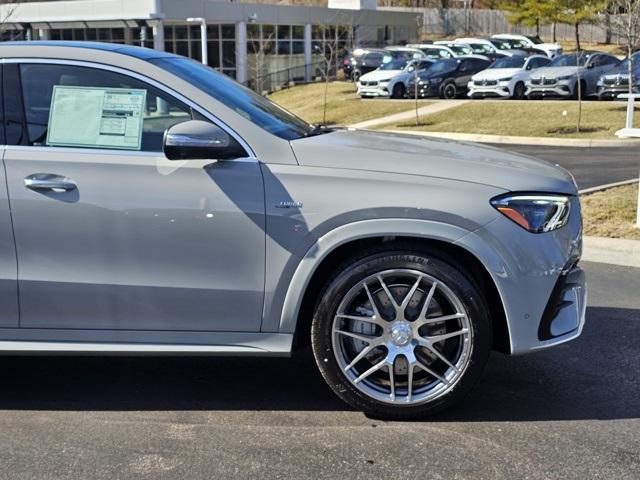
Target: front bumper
<point>476,91</point>
<point>377,91</point>
<point>610,92</point>
<point>557,90</point>
<point>423,91</point>
<point>542,290</point>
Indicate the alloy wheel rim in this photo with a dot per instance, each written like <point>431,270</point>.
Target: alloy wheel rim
<point>402,337</point>
<point>450,91</point>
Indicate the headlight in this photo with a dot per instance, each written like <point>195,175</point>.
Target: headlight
<point>505,79</point>
<point>385,80</point>
<point>537,213</point>
<point>566,77</point>
<point>435,81</point>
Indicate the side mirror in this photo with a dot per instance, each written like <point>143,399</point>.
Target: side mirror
<point>199,140</point>
<point>591,65</point>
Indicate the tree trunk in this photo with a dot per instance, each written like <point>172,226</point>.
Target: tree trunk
<point>537,27</point>
<point>579,85</point>
<point>577,27</point>
<point>553,31</point>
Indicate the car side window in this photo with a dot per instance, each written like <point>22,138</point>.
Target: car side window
<point>607,60</point>
<point>68,105</point>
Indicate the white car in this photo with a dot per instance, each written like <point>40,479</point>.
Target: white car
<point>482,46</point>
<point>435,51</point>
<point>391,79</point>
<point>506,77</point>
<point>552,49</point>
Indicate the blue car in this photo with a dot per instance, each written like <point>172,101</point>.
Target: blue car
<point>616,81</point>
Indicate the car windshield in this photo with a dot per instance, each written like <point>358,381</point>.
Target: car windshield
<point>635,63</point>
<point>443,66</point>
<point>461,49</point>
<point>502,44</point>
<point>481,48</point>
<point>396,64</point>
<point>569,60</point>
<point>255,108</point>
<point>516,61</point>
<point>535,39</point>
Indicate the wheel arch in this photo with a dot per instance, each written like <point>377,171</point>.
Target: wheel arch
<point>337,246</point>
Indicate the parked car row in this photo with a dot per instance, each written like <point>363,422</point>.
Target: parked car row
<point>445,72</point>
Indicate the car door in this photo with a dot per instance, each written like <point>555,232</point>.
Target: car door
<point>464,73</point>
<point>110,234</point>
<point>8,263</point>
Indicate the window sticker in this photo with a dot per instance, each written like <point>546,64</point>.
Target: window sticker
<point>96,117</point>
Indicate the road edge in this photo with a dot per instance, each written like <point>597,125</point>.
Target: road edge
<point>513,140</point>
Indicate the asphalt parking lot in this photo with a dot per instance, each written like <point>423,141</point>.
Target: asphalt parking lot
<point>569,412</point>
<point>590,166</point>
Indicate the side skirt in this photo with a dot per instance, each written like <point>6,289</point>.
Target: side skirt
<point>130,342</point>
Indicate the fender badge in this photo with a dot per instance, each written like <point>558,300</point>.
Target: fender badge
<point>289,204</point>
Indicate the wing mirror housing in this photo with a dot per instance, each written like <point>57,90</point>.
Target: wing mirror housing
<point>200,140</point>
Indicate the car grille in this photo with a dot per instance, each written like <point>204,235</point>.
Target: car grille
<point>370,83</point>
<point>543,81</point>
<point>615,81</point>
<point>485,83</point>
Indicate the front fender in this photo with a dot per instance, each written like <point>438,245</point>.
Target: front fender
<point>351,232</point>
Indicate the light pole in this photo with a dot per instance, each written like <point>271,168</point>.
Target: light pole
<point>203,37</point>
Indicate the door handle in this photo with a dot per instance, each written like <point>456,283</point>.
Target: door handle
<point>50,182</point>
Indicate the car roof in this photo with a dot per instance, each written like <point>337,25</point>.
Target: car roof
<point>129,50</point>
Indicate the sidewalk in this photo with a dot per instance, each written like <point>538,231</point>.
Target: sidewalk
<point>615,251</point>
<point>410,114</point>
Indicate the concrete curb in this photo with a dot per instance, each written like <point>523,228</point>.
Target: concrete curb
<point>511,140</point>
<point>607,186</point>
<point>615,251</point>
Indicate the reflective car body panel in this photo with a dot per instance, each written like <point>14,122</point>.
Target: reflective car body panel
<point>148,255</point>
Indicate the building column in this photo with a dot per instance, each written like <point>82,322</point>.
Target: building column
<point>158,35</point>
<point>44,34</point>
<point>128,35</point>
<point>241,52</point>
<point>308,57</point>
<point>357,36</point>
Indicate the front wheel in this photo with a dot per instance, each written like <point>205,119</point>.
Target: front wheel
<point>398,91</point>
<point>401,334</point>
<point>449,90</point>
<point>519,91</point>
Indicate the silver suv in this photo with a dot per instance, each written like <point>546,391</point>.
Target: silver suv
<point>150,205</point>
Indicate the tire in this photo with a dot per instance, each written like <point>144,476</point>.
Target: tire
<point>405,267</point>
<point>449,90</point>
<point>583,88</point>
<point>519,91</point>
<point>399,91</point>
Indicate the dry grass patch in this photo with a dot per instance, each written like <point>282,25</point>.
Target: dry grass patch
<point>527,118</point>
<point>611,213</point>
<point>344,107</point>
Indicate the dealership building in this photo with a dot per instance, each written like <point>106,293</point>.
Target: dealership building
<point>244,40</point>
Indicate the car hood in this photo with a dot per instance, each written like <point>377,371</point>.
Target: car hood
<point>380,75</point>
<point>496,73</point>
<point>431,157</point>
<point>554,72</point>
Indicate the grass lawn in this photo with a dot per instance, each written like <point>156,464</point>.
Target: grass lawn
<point>611,213</point>
<point>344,107</point>
<point>529,119</point>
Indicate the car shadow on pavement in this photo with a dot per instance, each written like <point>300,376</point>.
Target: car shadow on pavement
<point>594,377</point>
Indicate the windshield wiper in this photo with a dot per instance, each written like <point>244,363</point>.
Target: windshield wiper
<point>318,129</point>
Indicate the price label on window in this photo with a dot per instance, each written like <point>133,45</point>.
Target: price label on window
<point>96,117</point>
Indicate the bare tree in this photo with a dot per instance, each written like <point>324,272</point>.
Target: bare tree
<point>625,23</point>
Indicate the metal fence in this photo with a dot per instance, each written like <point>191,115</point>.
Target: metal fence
<point>289,76</point>
<point>457,21</point>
